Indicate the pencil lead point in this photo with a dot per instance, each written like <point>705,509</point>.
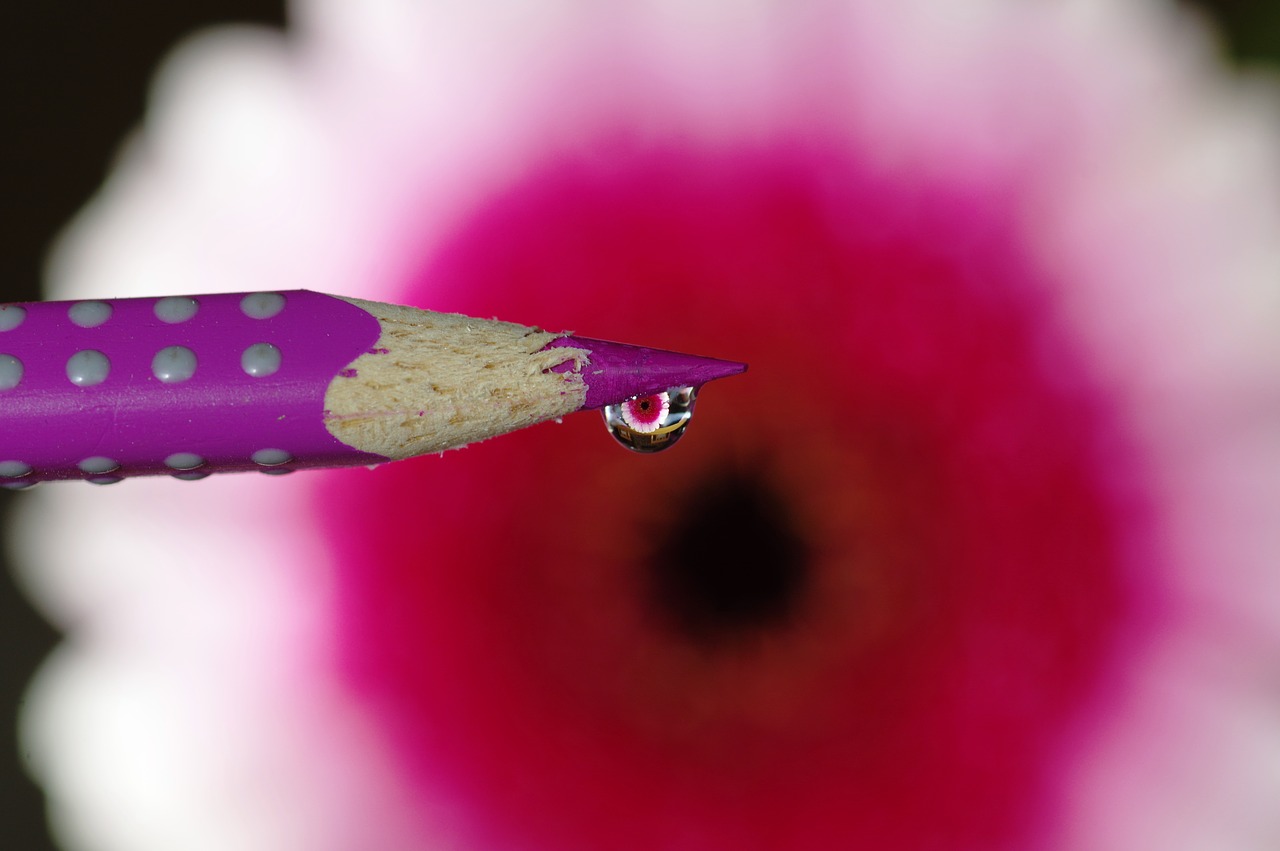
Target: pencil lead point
<point>615,372</point>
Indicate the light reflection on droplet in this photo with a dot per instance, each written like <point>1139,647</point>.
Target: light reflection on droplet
<point>651,423</point>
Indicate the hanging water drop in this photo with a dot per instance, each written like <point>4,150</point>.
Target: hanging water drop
<point>651,423</point>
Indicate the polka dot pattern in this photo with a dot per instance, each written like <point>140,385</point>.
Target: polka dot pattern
<point>183,461</point>
<point>260,360</point>
<point>182,386</point>
<point>271,457</point>
<point>174,364</point>
<point>10,372</point>
<point>89,314</point>
<point>11,316</point>
<point>98,464</point>
<point>14,469</point>
<point>262,305</point>
<point>87,368</point>
<point>176,309</point>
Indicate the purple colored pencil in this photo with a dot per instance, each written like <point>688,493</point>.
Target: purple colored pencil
<point>192,385</point>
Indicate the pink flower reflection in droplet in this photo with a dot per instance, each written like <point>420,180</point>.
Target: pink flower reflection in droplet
<point>867,602</point>
<point>645,413</point>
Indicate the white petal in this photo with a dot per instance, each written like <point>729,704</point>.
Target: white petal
<point>193,706</point>
<point>1190,760</point>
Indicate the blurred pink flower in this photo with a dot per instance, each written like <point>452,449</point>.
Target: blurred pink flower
<point>978,555</point>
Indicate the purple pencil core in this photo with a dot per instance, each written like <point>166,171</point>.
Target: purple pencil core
<point>617,372</point>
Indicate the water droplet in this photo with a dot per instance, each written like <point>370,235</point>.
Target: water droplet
<point>651,423</point>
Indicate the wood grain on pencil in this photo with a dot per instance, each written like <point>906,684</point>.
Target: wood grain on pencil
<point>434,381</point>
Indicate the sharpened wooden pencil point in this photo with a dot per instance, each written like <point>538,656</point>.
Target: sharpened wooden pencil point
<point>434,381</point>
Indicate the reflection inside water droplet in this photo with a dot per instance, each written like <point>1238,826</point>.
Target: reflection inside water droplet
<point>651,423</point>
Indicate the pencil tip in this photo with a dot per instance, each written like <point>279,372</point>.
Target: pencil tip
<point>616,372</point>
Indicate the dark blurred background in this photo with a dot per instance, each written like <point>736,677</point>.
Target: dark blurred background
<point>75,80</point>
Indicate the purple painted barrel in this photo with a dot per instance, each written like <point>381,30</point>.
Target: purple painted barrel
<point>185,386</point>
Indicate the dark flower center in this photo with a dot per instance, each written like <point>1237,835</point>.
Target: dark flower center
<point>730,562</point>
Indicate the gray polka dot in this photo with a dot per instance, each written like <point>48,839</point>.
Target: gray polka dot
<point>175,309</point>
<point>98,464</point>
<point>262,305</point>
<point>89,314</point>
<point>260,360</point>
<point>88,367</point>
<point>14,469</point>
<point>276,471</point>
<point>174,364</point>
<point>104,480</point>
<point>10,372</point>
<point>271,457</point>
<point>191,475</point>
<point>11,316</point>
<point>183,461</point>
<point>18,486</point>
